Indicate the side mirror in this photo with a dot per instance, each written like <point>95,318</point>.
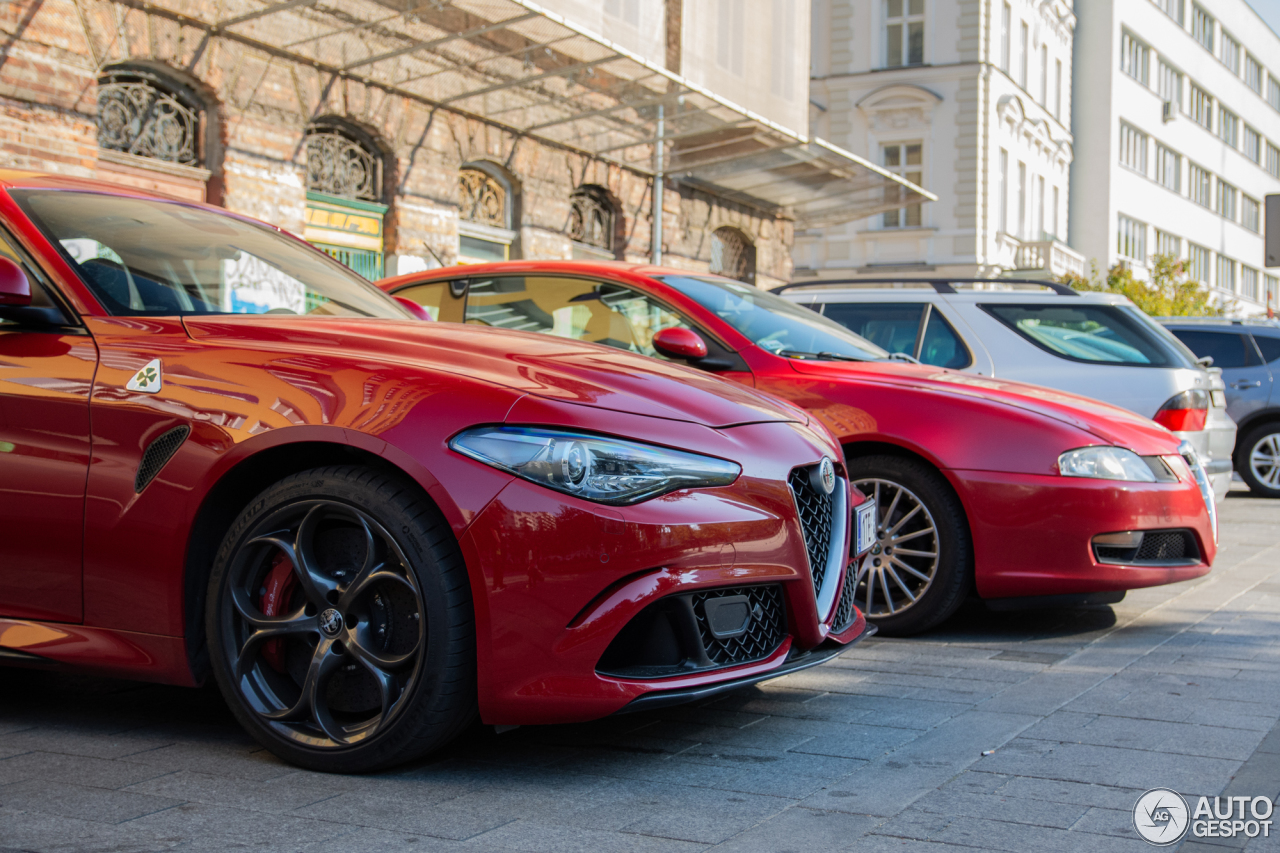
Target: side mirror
<point>15,290</point>
<point>680,343</point>
<point>413,308</point>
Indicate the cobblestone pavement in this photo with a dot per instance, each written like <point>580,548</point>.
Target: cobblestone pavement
<point>880,749</point>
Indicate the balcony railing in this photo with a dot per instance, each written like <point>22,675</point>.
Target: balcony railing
<point>1047,257</point>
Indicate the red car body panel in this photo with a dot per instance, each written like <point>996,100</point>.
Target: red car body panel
<point>553,577</point>
<point>996,442</point>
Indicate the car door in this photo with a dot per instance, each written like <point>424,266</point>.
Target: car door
<point>47,367</point>
<point>1248,378</point>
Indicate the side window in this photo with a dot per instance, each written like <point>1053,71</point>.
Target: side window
<point>43,311</point>
<point>581,309</point>
<point>1270,348</point>
<point>942,346</point>
<point>1229,349</point>
<point>891,326</point>
<point>444,300</point>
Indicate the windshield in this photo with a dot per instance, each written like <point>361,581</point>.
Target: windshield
<point>773,323</point>
<point>152,257</point>
<point>1102,334</point>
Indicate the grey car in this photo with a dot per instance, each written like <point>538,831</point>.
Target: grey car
<point>1097,345</point>
<point>1248,352</point>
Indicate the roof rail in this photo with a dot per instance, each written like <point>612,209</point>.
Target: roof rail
<point>941,285</point>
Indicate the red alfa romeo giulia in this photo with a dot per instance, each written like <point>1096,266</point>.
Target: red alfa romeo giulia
<point>221,451</point>
<point>1024,491</point>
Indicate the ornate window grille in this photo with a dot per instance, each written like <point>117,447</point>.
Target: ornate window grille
<point>591,218</point>
<point>732,256</point>
<point>341,166</point>
<point>140,117</point>
<point>482,199</point>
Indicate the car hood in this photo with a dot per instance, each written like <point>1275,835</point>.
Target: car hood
<point>1109,423</point>
<point>546,366</point>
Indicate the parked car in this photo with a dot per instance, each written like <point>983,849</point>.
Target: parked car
<point>1248,353</point>
<point>1025,491</point>
<point>222,451</point>
<point>1097,345</point>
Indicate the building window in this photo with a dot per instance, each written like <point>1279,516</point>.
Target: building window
<point>1250,213</point>
<point>1044,76</point>
<point>484,216</point>
<point>905,159</point>
<point>1040,202</point>
<point>1227,196</point>
<point>142,114</point>
<point>1273,160</point>
<point>1056,232</point>
<point>1169,81</point>
<point>1024,47</point>
<point>1168,168</point>
<point>1273,92</point>
<point>1006,22</point>
<point>1201,185</point>
<point>1167,244</point>
<point>1022,199</point>
<point>1198,263</point>
<point>1252,144</point>
<point>1133,148</point>
<point>1202,24</point>
<point>591,218</point>
<point>1273,289</point>
<point>1228,127</point>
<point>1253,73</point>
<point>1229,52</point>
<point>904,32</point>
<point>1132,239</point>
<point>1226,274</point>
<point>340,165</point>
<point>1248,282</point>
<point>344,193</point>
<point>783,56</point>
<point>1057,89</point>
<point>1176,9</point>
<point>732,255</point>
<point>1201,107</point>
<point>1003,190</point>
<point>730,23</point>
<point>1135,58</point>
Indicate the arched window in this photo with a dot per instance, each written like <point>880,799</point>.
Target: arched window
<point>732,255</point>
<point>142,113</point>
<point>341,163</point>
<point>591,218</point>
<point>484,214</point>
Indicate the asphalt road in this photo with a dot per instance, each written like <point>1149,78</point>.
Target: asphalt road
<point>882,749</point>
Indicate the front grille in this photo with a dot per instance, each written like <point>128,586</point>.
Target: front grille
<point>846,612</point>
<point>817,517</point>
<point>1156,548</point>
<point>1170,545</point>
<point>763,636</point>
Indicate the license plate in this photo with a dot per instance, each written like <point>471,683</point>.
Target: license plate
<point>865,525</point>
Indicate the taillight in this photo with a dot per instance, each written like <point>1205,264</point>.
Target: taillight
<point>1185,412</point>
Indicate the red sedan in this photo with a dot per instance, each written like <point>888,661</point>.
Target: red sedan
<point>223,452</point>
<point>1021,491</point>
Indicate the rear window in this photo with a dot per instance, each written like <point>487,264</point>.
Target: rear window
<point>1096,334</point>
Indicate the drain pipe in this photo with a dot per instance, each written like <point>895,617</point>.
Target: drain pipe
<point>655,251</point>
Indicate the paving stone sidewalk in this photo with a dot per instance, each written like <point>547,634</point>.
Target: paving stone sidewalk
<point>879,750</point>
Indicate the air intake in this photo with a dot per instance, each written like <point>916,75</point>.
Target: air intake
<point>157,454</point>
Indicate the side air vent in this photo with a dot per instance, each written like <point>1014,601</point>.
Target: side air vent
<point>157,454</point>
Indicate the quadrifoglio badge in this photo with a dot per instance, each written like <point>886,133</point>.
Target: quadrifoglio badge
<point>1162,817</point>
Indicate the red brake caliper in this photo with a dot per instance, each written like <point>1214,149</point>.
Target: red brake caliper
<point>277,589</point>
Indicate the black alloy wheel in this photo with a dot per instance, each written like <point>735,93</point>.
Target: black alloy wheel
<point>1258,460</point>
<point>339,645</point>
<point>921,565</point>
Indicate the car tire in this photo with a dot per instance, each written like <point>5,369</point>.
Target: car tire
<point>1258,460</point>
<point>921,567</point>
<point>340,622</point>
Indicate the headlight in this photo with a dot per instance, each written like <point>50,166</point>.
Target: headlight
<point>605,470</point>
<point>1105,463</point>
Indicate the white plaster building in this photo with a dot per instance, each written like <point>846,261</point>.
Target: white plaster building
<point>971,98</point>
<point>1177,139</point>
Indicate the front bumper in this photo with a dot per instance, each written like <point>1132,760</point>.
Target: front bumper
<point>556,579</point>
<point>1032,534</point>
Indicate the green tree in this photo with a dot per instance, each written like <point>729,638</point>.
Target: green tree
<point>1168,293</point>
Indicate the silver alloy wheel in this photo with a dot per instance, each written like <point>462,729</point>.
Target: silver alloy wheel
<point>1264,460</point>
<point>349,634</point>
<point>903,562</point>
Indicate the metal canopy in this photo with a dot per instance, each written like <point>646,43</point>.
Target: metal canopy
<point>525,68</point>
